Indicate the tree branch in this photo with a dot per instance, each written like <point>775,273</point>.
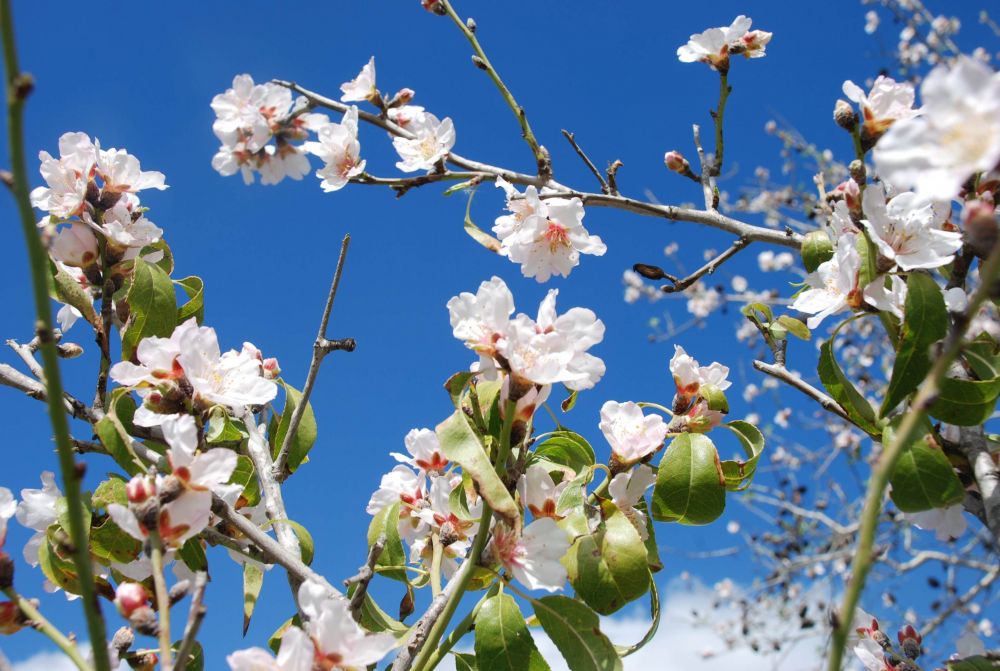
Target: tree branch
<point>195,617</point>
<point>783,374</point>
<point>707,269</point>
<point>364,577</point>
<point>321,347</point>
<point>974,446</point>
<point>571,138</point>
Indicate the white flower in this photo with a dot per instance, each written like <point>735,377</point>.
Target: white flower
<point>702,299</point>
<point>234,158</point>
<point>74,246</point>
<point>887,103</point>
<point>277,161</point>
<point>434,139</point>
<point>553,348</point>
<point>425,451</point>
<point>768,261</point>
<point>689,376</point>
<point>126,233</point>
<point>296,653</point>
<point>627,489</point>
<point>969,644</point>
<point>539,493</point>
<point>121,174</point>
<point>631,434</point>
<point>8,507</point>
<point>908,229</point>
<point>833,284</point>
<point>67,176</point>
<point>37,511</point>
<point>248,112</point>
<point>339,641</point>
<point>946,523</point>
<point>547,237</point>
<point>406,116</point>
<point>957,134</point>
<point>871,655</point>
<point>340,151</point>
<point>715,44</point>
<point>481,320</point>
<point>407,488</point>
<point>204,472</point>
<point>361,87</point>
<point>68,314</point>
<point>438,516</point>
<point>892,299</point>
<point>956,300</point>
<point>534,557</point>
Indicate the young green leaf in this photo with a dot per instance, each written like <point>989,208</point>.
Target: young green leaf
<point>843,390</point>
<point>503,642</point>
<point>690,487</point>
<point>965,402</point>
<point>923,478</point>
<point>152,306</point>
<point>194,287</point>
<point>386,521</point>
<point>738,474</point>
<point>304,438</point>
<point>575,629</point>
<point>253,580</point>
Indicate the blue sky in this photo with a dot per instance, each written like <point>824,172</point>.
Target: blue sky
<point>141,75</point>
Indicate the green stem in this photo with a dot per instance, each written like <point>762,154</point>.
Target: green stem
<point>162,598</point>
<point>460,630</point>
<point>909,429</point>
<point>44,626</point>
<point>724,91</point>
<point>544,166</point>
<point>437,551</point>
<point>18,88</point>
<point>104,336</point>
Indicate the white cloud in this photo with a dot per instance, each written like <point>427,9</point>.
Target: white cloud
<point>45,661</point>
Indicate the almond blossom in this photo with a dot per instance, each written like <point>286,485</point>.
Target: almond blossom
<point>632,435</point>
<point>886,103</point>
<point>891,299</point>
<point>67,176</point>
<point>75,246</point>
<point>120,172</point>
<point>408,488</point>
<point>126,228</point>
<point>627,489</point>
<point>480,320</point>
<point>833,286</point>
<point>340,151</point>
<point>425,452</point>
<point>907,229</point>
<point>689,376</point>
<point>407,116</point>
<point>455,533</point>
<point>37,511</point>
<point>534,556</point>
<point>337,639</point>
<point>546,237</point>
<point>434,139</point>
<point>957,133</point>
<point>67,314</point>
<point>947,523</point>
<point>539,493</point>
<point>246,112</point>
<point>714,45</point>
<point>361,87</point>
<point>8,507</point>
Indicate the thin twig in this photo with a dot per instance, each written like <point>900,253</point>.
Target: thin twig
<point>27,355</point>
<point>364,577</point>
<point>960,602</point>
<point>195,617</point>
<point>321,347</point>
<point>571,138</point>
<point>707,269</point>
<point>613,169</point>
<point>39,623</point>
<point>783,374</point>
<point>19,86</point>
<point>973,445</point>
<point>11,377</point>
<point>707,186</point>
<point>162,598</point>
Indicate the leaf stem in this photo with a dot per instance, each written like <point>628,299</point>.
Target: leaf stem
<point>18,88</point>
<point>724,90</point>
<point>48,629</point>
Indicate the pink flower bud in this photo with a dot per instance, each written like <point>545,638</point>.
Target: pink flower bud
<point>850,192</point>
<point>10,618</point>
<point>845,116</point>
<point>139,488</point>
<point>676,162</point>
<point>271,368</point>
<point>130,596</point>
<point>432,6</point>
<point>403,96</point>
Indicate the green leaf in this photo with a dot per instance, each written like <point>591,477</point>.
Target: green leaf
<point>738,474</point>
<point>253,580</point>
<point>816,249</point>
<point>503,642</point>
<point>652,550</point>
<point>925,322</point>
<point>476,233</point>
<point>456,385</point>
<point>714,397</point>
<point>796,327</point>
<point>244,474</point>
<point>306,544</point>
<point>573,505</point>
<point>193,554</point>
<point>224,429</point>
<point>110,544</point>
<point>59,571</point>
<point>608,567</point>
<point>152,307</point>
<point>965,402</point>
<point>869,259</point>
<point>843,390</point>
<point>570,401</point>
<point>565,448</point>
<point>111,490</point>
<point>194,287</point>
<point>196,658</point>
<point>923,478</point>
<point>460,444</point>
<point>464,661</point>
<point>305,437</point>
<point>376,620</point>
<point>575,630</point>
<point>690,487</point>
<point>387,521</point>
<point>114,429</point>
<point>274,641</point>
<point>166,262</point>
<point>654,612</point>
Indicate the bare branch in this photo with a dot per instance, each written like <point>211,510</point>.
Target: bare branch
<point>571,138</point>
<point>707,269</point>
<point>364,577</point>
<point>195,617</point>
<point>321,347</point>
<point>973,444</point>
<point>707,186</point>
<point>961,602</point>
<point>783,374</point>
<point>11,377</point>
<point>27,355</point>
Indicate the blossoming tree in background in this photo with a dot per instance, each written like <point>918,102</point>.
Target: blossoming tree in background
<point>487,511</point>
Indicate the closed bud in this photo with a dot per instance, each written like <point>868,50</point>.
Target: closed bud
<point>434,6</point>
<point>130,596</point>
<point>69,350</point>
<point>858,171</point>
<point>143,620</point>
<point>11,620</point>
<point>179,591</point>
<point>6,571</point>
<point>139,488</point>
<point>406,604</point>
<point>123,639</point>
<point>676,162</point>
<point>909,640</point>
<point>979,219</point>
<point>845,116</point>
<point>470,23</point>
<point>402,97</point>
<point>271,368</point>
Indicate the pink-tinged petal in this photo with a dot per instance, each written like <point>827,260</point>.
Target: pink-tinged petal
<point>126,521</point>
<point>297,651</point>
<point>213,468</point>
